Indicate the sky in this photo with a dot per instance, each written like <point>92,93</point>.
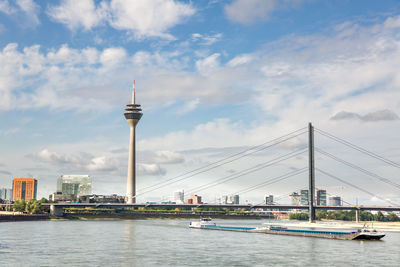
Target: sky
<point>214,78</point>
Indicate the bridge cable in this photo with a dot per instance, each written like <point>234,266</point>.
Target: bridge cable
<point>271,181</point>
<point>221,161</point>
<point>382,179</point>
<point>354,186</point>
<point>249,170</point>
<point>355,147</point>
<point>210,167</point>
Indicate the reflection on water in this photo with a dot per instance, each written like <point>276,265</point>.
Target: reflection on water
<point>172,243</point>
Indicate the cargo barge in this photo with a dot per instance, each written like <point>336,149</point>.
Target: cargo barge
<point>360,234</point>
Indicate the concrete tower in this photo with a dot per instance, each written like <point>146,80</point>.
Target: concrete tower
<point>133,114</point>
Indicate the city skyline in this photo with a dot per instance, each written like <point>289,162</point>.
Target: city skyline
<point>214,78</point>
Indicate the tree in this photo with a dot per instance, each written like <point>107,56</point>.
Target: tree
<point>366,216</point>
<point>321,214</point>
<point>19,205</point>
<point>33,206</point>
<point>392,217</point>
<point>44,208</point>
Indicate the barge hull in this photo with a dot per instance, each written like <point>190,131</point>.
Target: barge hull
<point>291,232</point>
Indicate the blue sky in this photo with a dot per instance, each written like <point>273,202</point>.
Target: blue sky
<point>213,77</point>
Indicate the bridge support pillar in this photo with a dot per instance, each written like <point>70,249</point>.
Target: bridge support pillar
<point>357,215</point>
<point>56,211</point>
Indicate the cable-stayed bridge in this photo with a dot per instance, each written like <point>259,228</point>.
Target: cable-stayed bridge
<point>309,168</point>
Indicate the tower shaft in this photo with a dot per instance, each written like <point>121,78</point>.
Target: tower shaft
<point>131,179</point>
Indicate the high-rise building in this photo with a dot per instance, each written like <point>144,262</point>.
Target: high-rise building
<point>269,199</point>
<point>304,197</point>
<point>5,194</point>
<point>295,198</point>
<point>234,199</point>
<point>335,201</point>
<point>223,199</point>
<point>321,197</point>
<point>24,188</point>
<point>179,197</point>
<point>75,185</point>
<point>132,115</point>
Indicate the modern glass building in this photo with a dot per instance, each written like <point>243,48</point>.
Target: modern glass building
<point>6,193</point>
<point>304,197</point>
<point>335,201</point>
<point>76,185</point>
<point>321,197</point>
<point>269,199</point>
<point>234,199</point>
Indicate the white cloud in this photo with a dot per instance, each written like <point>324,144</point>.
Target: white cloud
<point>27,11</point>
<point>239,60</point>
<point>189,106</point>
<point>6,8</point>
<point>249,11</point>
<point>209,64</point>
<point>102,164</point>
<point>31,9</point>
<point>149,18</point>
<point>150,169</point>
<point>84,161</point>
<point>144,18</point>
<point>168,157</point>
<point>206,39</point>
<point>78,14</point>
<point>112,57</point>
<point>380,115</point>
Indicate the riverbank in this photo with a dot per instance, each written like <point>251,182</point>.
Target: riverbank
<point>23,217</point>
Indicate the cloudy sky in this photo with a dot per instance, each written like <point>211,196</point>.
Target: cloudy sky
<point>214,78</point>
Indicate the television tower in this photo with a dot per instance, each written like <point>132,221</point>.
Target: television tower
<point>133,114</point>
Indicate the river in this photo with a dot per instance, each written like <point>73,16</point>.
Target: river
<point>172,243</point>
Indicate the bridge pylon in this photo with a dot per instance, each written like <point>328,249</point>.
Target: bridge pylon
<point>311,176</point>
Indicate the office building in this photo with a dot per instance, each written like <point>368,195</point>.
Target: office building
<point>295,198</point>
<point>179,197</point>
<point>304,197</point>
<point>321,197</point>
<point>194,199</point>
<point>24,188</point>
<point>75,185</point>
<point>269,199</point>
<point>335,201</point>
<point>234,199</point>
<point>5,194</point>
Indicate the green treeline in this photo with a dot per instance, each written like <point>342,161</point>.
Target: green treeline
<point>347,216</point>
<point>32,206</point>
<point>171,210</point>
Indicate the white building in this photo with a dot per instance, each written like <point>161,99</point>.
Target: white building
<point>223,199</point>
<point>179,197</point>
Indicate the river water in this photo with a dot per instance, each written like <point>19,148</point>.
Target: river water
<point>172,243</point>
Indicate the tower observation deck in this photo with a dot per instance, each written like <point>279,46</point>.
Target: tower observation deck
<point>133,113</point>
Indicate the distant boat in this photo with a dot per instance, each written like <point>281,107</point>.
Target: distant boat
<point>360,234</point>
